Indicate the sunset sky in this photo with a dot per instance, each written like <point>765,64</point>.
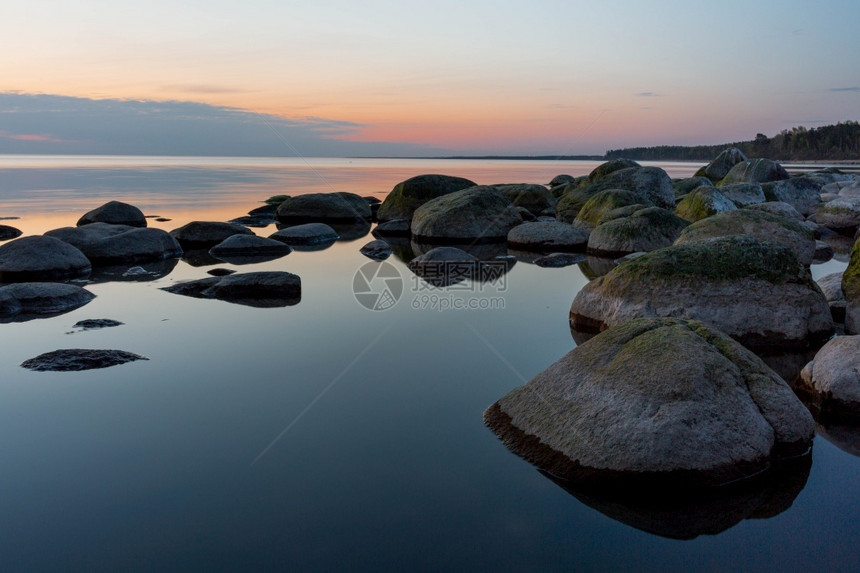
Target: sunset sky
<point>546,77</point>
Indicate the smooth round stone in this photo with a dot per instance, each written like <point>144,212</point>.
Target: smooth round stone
<point>114,213</point>
<point>38,258</point>
<point>21,301</point>
<point>306,234</point>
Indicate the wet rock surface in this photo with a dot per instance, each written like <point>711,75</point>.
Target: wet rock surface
<point>77,359</point>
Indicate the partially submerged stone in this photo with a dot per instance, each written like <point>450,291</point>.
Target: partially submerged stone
<point>755,291</point>
<point>7,232</point>
<point>109,244</point>
<point>24,301</point>
<point>114,213</point>
<point>644,230</point>
<point>393,228</point>
<point>206,234</point>
<point>377,250</point>
<point>97,323</point>
<point>759,224</point>
<point>249,245</point>
<point>833,379</point>
<point>76,359</point>
<point>306,234</point>
<point>547,235</point>
<point>323,207</point>
<point>478,214</point>
<point>258,289</point>
<point>408,195</point>
<point>39,258</point>
<point>655,402</point>
<point>559,260</point>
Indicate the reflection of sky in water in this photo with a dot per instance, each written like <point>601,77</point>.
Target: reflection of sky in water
<point>149,465</point>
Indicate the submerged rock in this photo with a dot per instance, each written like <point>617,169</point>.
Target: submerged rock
<point>108,244</point>
<point>114,213</point>
<point>76,359</point>
<point>833,378</point>
<point>97,323</point>
<point>25,301</point>
<point>38,258</point>
<point>377,250</point>
<point>258,289</point>
<point>763,226</point>
<point>478,214</point>
<point>756,292</point>
<point>644,230</point>
<point>718,414</point>
<point>408,195</point>
<point>547,235</point>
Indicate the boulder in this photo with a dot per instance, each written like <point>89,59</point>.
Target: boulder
<point>831,287</point>
<point>478,214</point>
<point>703,203</point>
<point>377,250</point>
<point>841,215</point>
<point>323,207</point>
<point>763,226</point>
<point>39,258</point>
<point>755,171</point>
<point>651,184</point>
<point>603,202</point>
<point>547,235</point>
<point>535,198</point>
<point>206,234</point>
<point>778,208</point>
<point>108,244</point>
<point>833,379</point>
<point>114,213</point>
<point>408,195</point>
<point>7,232</point>
<point>77,359</point>
<point>717,169</point>
<point>645,230</point>
<point>258,289</point>
<point>743,194</point>
<point>611,166</point>
<point>802,193</point>
<point>25,301</point>
<point>621,212</point>
<point>562,179</point>
<point>718,414</point>
<point>307,234</point>
<point>684,186</point>
<point>851,290</point>
<point>757,292</point>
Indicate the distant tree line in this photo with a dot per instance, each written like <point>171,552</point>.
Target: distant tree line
<point>830,142</point>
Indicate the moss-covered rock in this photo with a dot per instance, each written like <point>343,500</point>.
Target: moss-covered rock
<point>802,193</point>
<point>562,179</point>
<point>722,164</point>
<point>758,224</point>
<point>408,195</point>
<point>535,198</point>
<point>603,202</point>
<point>655,402</point>
<point>755,171</point>
<point>645,230</point>
<point>621,212</point>
<point>755,291</point>
<point>702,203</point>
<point>547,236</point>
<point>777,208</point>
<point>479,214</point>
<point>609,167</point>
<point>743,194</point>
<point>684,186</point>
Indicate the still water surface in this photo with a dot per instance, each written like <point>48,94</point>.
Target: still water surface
<point>325,436</point>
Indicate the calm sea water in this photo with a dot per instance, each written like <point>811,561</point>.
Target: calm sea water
<point>326,436</point>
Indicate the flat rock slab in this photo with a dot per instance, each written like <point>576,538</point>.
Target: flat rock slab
<point>25,301</point>
<point>259,289</point>
<point>76,359</point>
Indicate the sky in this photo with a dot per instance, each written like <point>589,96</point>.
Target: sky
<point>333,77</point>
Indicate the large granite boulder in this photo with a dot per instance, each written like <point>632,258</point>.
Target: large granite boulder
<point>39,258</point>
<point>603,202</point>
<point>206,234</point>
<point>755,291</point>
<point>547,236</point>
<point>477,214</point>
<point>702,203</point>
<point>755,171</point>
<point>322,207</point>
<point>645,230</point>
<point>841,215</point>
<point>265,289</point>
<point>115,213</point>
<point>107,244</point>
<point>655,402</point>
<point>717,169</point>
<point>743,194</point>
<point>763,226</point>
<point>410,194</point>
<point>851,290</point>
<point>651,184</point>
<point>802,193</point>
<point>535,198</point>
<point>833,379</point>
<point>23,301</point>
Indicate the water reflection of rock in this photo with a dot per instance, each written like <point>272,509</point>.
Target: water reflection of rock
<point>846,438</point>
<point>484,251</point>
<point>200,258</point>
<point>143,272</point>
<point>346,230</point>
<point>401,247</point>
<point>594,267</point>
<point>450,265</point>
<point>788,364</point>
<point>686,516</point>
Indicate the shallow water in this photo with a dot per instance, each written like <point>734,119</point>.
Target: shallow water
<point>325,435</point>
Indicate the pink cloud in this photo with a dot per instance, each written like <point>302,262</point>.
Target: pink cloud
<point>40,137</point>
